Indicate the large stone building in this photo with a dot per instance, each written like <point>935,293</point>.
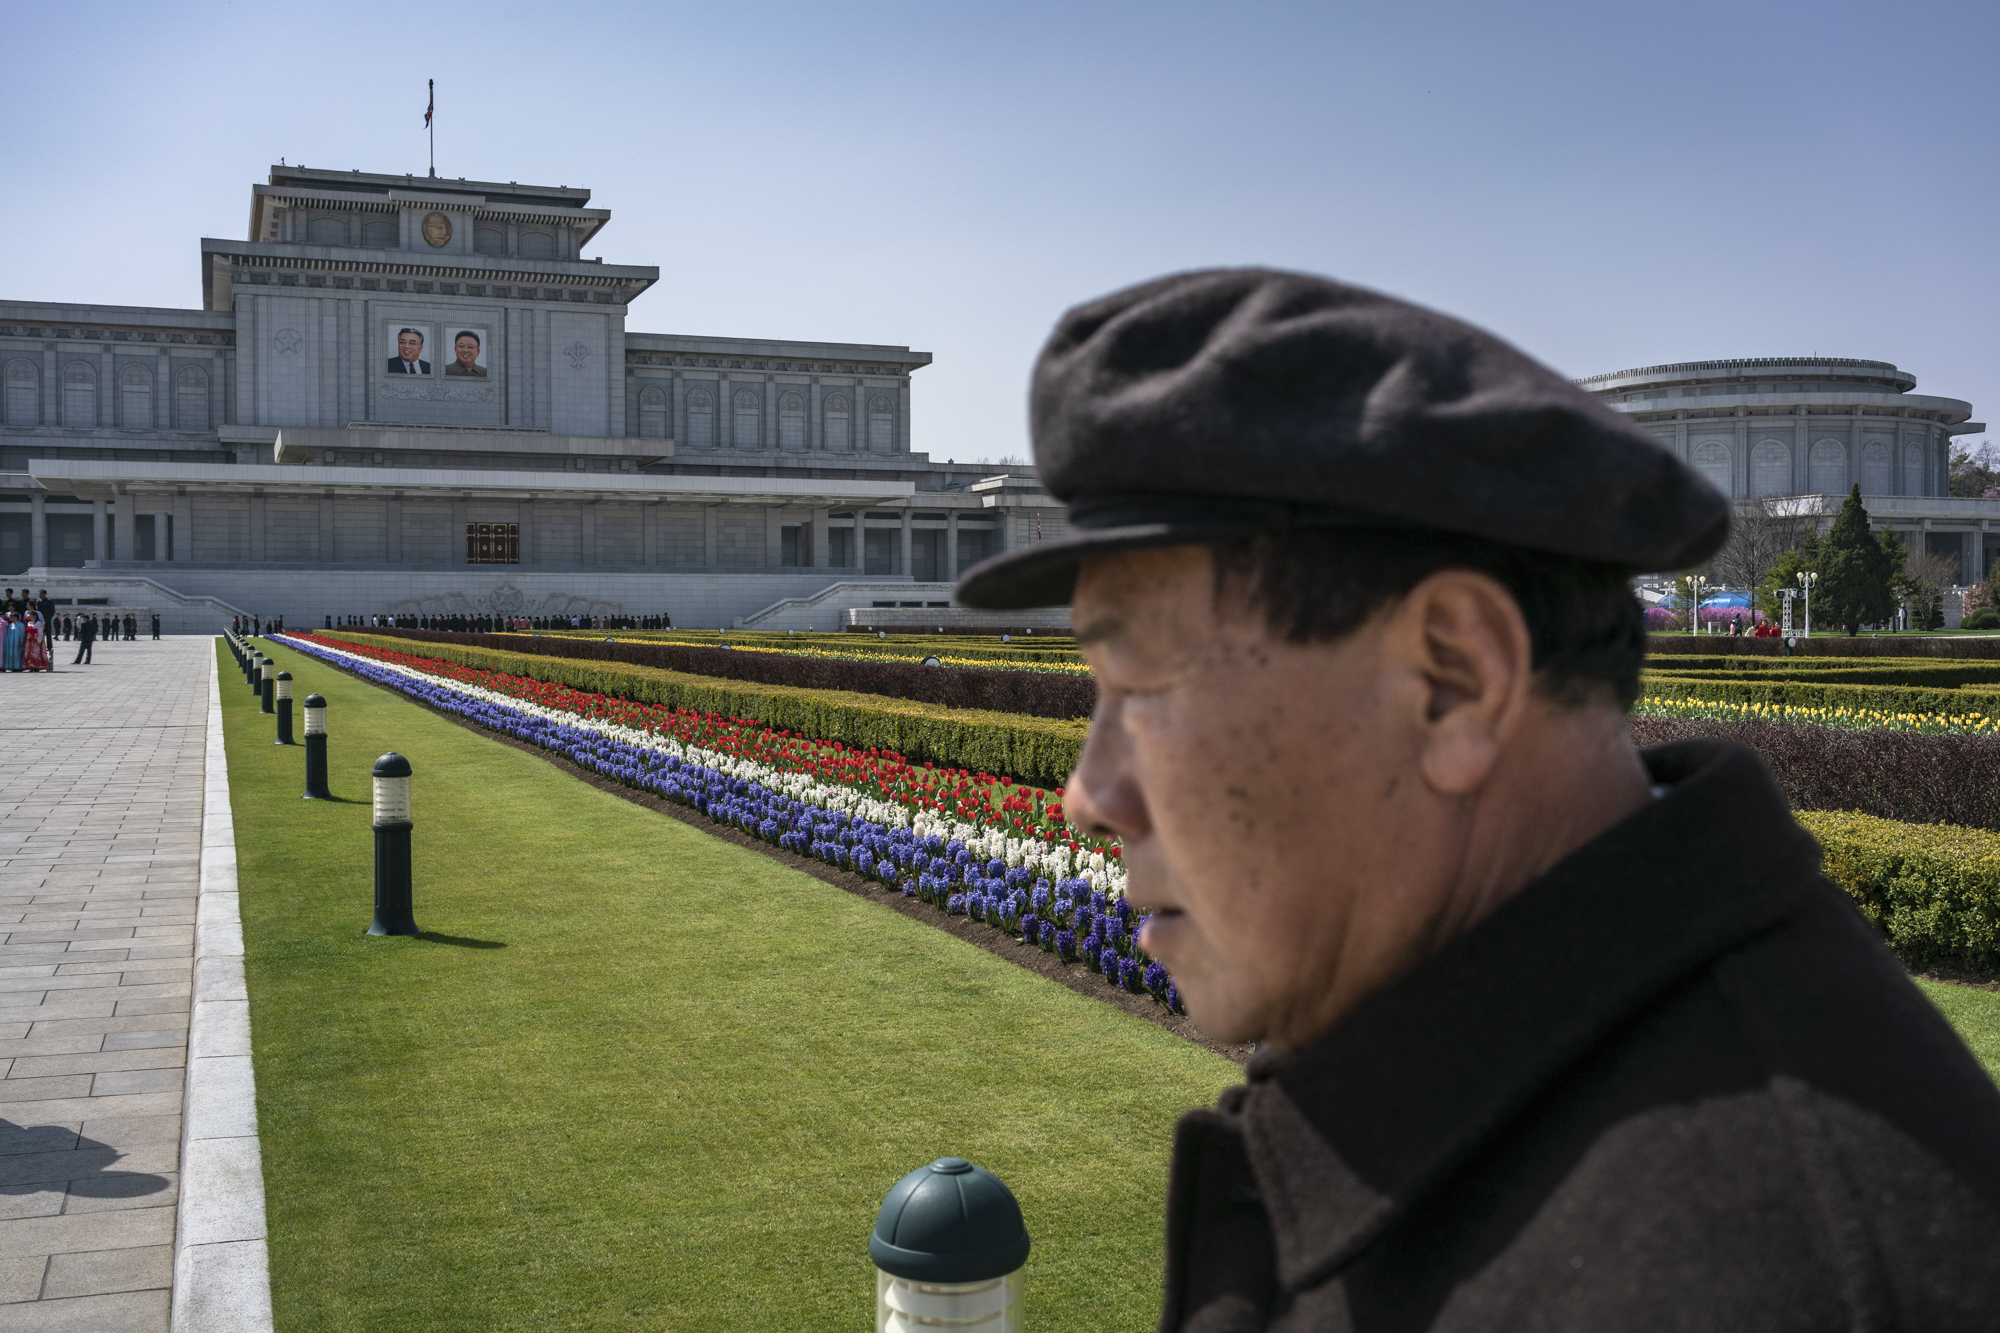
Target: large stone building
<point>1813,427</point>
<point>411,394</point>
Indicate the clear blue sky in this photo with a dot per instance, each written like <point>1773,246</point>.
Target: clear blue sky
<point>1608,185</point>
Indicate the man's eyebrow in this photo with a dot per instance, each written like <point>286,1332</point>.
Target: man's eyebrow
<point>1098,630</point>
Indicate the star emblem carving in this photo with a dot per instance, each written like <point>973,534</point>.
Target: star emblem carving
<point>288,341</point>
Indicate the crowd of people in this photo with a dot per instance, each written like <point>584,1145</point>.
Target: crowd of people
<point>491,624</point>
<point>31,623</point>
<point>256,624</point>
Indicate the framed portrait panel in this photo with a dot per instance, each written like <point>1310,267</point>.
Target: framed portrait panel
<point>464,353</point>
<point>411,349</point>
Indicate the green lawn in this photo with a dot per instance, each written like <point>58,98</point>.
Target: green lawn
<point>640,1078</point>
<point>1976,1015</point>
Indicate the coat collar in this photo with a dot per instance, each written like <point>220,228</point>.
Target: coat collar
<point>1346,1134</point>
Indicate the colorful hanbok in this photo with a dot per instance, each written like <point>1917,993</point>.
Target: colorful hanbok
<point>35,651</point>
<point>16,643</point>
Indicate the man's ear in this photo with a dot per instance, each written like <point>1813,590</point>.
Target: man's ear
<point>1465,639</point>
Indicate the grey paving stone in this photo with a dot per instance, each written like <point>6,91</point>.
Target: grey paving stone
<point>143,1269</point>
<point>127,1312</point>
<point>100,858</point>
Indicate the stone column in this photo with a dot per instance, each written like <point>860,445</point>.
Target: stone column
<point>459,507</point>
<point>708,536</point>
<point>527,521</point>
<point>951,547</point>
<point>649,534</point>
<point>392,529</point>
<point>819,542</point>
<point>903,544</point>
<point>256,529</point>
<point>38,529</point>
<point>587,540</point>
<point>184,528</point>
<point>774,537</point>
<point>100,531</point>
<point>326,529</point>
<point>125,523</point>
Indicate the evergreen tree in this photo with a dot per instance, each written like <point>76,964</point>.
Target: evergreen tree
<point>1857,572</point>
<point>1784,573</point>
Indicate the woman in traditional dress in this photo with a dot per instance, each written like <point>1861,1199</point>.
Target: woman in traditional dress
<point>15,644</point>
<point>35,652</point>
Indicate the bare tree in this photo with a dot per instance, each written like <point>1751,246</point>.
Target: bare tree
<point>1925,579</point>
<point>1761,531</point>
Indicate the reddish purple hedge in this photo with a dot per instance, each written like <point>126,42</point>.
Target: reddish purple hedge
<point>1820,645</point>
<point>1911,776</point>
<point>1035,693</point>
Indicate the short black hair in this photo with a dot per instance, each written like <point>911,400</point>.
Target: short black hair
<point>1584,622</point>
<point>467,333</point>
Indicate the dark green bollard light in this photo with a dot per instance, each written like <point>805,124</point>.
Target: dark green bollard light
<point>316,750</point>
<point>393,907</point>
<point>255,675</point>
<point>948,1248</point>
<point>268,675</point>
<point>284,709</point>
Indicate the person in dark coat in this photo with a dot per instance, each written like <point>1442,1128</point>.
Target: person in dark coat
<point>1553,1034</point>
<point>86,636</point>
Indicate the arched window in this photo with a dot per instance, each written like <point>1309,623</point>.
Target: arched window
<point>701,419</point>
<point>191,398</point>
<point>135,398</point>
<point>1913,469</point>
<point>488,240</point>
<point>881,424</point>
<point>836,424</point>
<point>1826,469</point>
<point>24,399</point>
<point>749,421</point>
<point>653,412</point>
<point>538,245</point>
<point>792,421</point>
<point>79,394</point>
<point>1770,468</point>
<point>1877,477</point>
<point>381,234</point>
<point>327,231</point>
<point>1711,460</point>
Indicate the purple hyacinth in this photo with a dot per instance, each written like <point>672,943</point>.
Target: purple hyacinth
<point>1066,945</point>
<point>1107,963</point>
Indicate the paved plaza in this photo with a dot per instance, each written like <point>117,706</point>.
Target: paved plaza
<point>101,823</point>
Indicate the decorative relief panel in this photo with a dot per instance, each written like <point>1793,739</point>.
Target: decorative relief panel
<point>433,393</point>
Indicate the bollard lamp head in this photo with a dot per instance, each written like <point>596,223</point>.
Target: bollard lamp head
<point>392,765</point>
<point>949,1222</point>
<point>315,701</point>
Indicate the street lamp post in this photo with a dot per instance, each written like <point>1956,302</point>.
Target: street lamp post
<point>1806,580</point>
<point>1696,585</point>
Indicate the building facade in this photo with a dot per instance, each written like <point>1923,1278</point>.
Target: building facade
<point>1816,426</point>
<point>408,394</point>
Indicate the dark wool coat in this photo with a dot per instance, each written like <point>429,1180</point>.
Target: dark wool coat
<point>1676,1083</point>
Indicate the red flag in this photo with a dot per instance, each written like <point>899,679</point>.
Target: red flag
<point>433,104</point>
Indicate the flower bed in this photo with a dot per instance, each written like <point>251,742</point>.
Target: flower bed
<point>939,836</point>
<point>1037,750</point>
<point>1832,718</point>
<point>1063,694</point>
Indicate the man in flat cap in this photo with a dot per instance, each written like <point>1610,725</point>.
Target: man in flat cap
<point>1554,1034</point>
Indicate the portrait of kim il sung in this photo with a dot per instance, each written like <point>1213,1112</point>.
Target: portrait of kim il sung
<point>467,353</point>
<point>409,347</point>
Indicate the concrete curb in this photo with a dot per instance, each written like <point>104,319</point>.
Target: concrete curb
<point>222,1277</point>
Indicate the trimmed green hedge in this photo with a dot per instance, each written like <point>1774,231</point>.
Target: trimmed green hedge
<point>1802,694</point>
<point>1036,750</point>
<point>1933,890</point>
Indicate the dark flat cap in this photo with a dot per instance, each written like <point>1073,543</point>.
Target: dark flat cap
<point>1231,402</point>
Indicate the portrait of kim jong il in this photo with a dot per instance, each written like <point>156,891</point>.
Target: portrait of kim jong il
<point>409,343</point>
<point>1553,1032</point>
<point>468,354</point>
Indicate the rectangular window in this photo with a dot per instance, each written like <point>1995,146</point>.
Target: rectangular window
<point>493,543</point>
